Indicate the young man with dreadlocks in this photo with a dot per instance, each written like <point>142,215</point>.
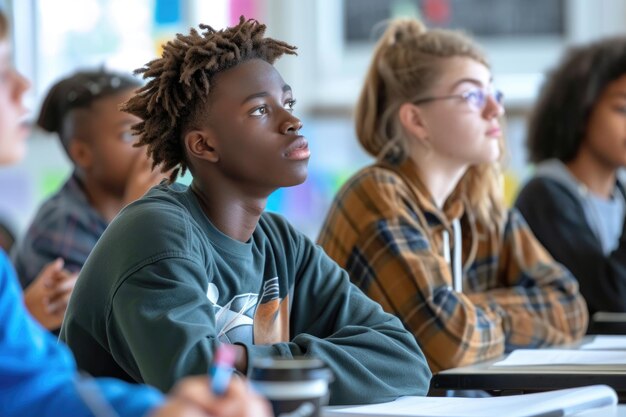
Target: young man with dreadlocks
<point>38,376</point>
<point>183,270</point>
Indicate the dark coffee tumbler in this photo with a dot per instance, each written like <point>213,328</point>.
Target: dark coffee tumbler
<point>295,387</point>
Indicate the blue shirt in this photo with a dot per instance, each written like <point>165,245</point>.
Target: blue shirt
<point>38,376</point>
<point>609,215</point>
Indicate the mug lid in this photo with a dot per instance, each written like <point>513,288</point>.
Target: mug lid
<point>284,369</point>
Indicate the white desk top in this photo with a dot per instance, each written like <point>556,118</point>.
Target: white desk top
<point>485,376</point>
<point>615,411</point>
<point>487,367</point>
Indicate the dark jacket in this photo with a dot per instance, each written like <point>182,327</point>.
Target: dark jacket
<point>556,209</point>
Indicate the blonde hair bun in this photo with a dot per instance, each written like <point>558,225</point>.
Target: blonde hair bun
<point>402,29</point>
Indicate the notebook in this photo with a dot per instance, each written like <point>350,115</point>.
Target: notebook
<point>546,404</point>
<point>564,359</point>
<point>606,342</point>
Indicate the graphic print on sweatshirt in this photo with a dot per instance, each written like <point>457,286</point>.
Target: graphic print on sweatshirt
<point>252,318</point>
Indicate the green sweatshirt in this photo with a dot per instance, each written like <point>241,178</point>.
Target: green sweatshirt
<point>163,287</point>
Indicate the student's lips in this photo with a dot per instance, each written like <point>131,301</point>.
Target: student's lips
<point>298,150</point>
<point>24,125</point>
<point>494,132</point>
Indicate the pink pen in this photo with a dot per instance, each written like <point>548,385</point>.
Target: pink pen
<point>222,368</point>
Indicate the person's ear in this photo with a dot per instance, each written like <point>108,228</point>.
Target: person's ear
<point>413,121</point>
<point>81,153</point>
<point>201,144</point>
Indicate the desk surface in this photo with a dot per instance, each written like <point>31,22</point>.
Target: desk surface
<point>613,411</point>
<point>483,376</point>
<point>607,323</point>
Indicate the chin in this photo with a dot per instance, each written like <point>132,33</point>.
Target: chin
<point>492,154</point>
<point>295,178</point>
<point>494,158</point>
<point>292,182</point>
<point>12,158</point>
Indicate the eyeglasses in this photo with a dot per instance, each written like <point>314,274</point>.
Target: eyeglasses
<point>477,98</point>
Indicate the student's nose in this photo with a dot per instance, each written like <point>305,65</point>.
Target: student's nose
<point>290,125</point>
<point>492,108</point>
<point>21,83</point>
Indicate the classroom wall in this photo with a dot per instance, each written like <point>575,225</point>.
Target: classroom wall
<point>326,76</point>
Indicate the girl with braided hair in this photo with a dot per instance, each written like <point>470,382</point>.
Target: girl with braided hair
<point>185,269</point>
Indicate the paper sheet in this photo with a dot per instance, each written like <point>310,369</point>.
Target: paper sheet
<point>608,342</point>
<point>558,357</point>
<point>559,402</point>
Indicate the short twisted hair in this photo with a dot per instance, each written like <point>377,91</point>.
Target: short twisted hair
<point>181,80</point>
<point>4,26</point>
<point>558,123</point>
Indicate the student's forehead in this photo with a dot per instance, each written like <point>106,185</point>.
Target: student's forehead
<point>250,77</point>
<point>5,52</point>
<point>459,68</point>
<point>617,87</point>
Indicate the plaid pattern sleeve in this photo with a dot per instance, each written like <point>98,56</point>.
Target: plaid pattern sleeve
<point>514,294</point>
<point>539,297</point>
<point>65,226</point>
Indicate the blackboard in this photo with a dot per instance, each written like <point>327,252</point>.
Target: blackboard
<point>481,18</point>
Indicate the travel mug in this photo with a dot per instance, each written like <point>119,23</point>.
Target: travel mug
<point>295,387</point>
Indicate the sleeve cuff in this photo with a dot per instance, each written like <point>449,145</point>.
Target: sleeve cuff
<point>258,351</point>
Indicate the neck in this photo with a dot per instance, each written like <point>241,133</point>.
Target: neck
<point>232,212</point>
<point>106,203</point>
<point>440,176</point>
<point>598,177</point>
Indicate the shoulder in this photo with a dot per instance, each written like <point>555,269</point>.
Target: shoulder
<point>538,187</point>
<point>283,237</point>
<point>157,231</point>
<point>162,204</point>
<point>273,221</point>
<point>8,280</point>
<point>293,248</point>
<point>515,220</point>
<point>542,192</point>
<point>277,229</point>
<point>162,220</point>
<point>5,265</point>
<point>67,211</point>
<point>64,226</point>
<point>526,227</point>
<point>621,183</point>
<point>374,191</point>
<point>375,201</point>
<point>375,178</point>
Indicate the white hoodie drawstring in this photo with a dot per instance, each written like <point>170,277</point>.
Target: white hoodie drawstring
<point>457,268</point>
<point>455,263</point>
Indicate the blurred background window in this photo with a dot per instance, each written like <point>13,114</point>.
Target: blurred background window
<point>483,18</point>
<point>522,38</point>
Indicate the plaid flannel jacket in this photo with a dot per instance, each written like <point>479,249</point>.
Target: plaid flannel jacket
<point>384,229</point>
<point>65,226</point>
